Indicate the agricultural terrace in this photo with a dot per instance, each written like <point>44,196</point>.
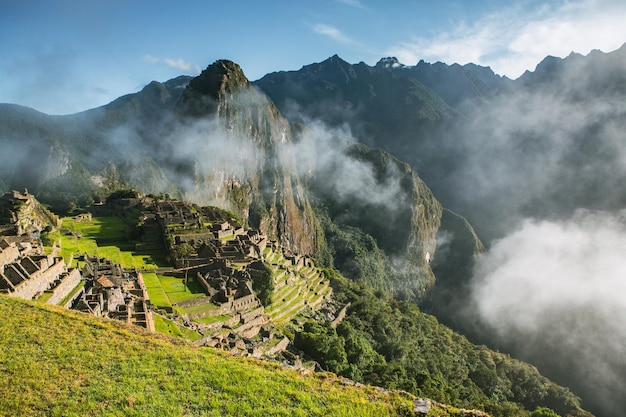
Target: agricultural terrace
<point>106,237</point>
<point>109,237</point>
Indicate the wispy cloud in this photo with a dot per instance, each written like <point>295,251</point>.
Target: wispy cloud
<point>151,59</point>
<point>513,40</point>
<point>331,32</point>
<point>353,3</point>
<point>177,63</point>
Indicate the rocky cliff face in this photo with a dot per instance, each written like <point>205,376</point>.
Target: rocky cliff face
<point>232,148</point>
<point>381,218</point>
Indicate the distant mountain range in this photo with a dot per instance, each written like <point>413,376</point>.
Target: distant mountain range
<point>490,148</point>
<point>367,168</point>
<point>495,150</point>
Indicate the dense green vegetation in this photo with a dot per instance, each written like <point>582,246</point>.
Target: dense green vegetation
<point>60,363</point>
<point>263,285</point>
<point>453,263</point>
<point>393,344</point>
<point>381,241</point>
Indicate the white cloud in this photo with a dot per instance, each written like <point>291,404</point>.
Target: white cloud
<point>331,32</point>
<point>546,266</point>
<point>513,40</point>
<point>559,287</point>
<point>178,63</point>
<point>151,59</point>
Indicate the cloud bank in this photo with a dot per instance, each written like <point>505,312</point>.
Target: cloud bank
<point>541,152</point>
<point>554,291</point>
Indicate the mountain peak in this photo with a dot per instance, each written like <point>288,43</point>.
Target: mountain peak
<point>219,78</point>
<point>389,62</point>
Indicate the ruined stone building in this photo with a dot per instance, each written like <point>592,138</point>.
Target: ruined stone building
<point>110,291</point>
<point>29,274</point>
<point>231,289</point>
<point>21,213</point>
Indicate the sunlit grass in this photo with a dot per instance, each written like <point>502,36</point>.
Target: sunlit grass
<point>59,363</point>
<point>105,237</point>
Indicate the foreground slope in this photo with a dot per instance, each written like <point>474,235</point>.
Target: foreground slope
<point>54,362</point>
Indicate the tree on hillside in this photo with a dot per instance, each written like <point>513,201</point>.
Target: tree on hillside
<point>544,412</point>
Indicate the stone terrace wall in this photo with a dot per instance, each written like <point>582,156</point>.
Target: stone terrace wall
<point>66,284</point>
<point>9,255</point>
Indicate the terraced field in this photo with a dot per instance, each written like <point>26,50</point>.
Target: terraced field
<point>105,237</point>
<point>295,288</point>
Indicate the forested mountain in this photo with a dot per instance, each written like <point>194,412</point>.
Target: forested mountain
<point>490,148</point>
<point>338,161</point>
<point>546,149</point>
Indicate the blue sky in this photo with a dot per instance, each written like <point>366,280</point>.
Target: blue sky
<point>65,56</point>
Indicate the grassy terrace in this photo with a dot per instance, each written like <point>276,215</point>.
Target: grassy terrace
<point>108,237</point>
<point>168,327</point>
<point>55,362</point>
<point>308,288</point>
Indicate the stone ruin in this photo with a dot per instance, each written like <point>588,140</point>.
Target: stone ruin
<point>21,214</point>
<point>27,272</point>
<point>225,259</point>
<point>111,291</point>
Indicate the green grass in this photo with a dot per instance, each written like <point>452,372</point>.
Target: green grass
<point>201,308</point>
<point>158,297</point>
<point>177,291</point>
<point>105,237</point>
<point>45,297</point>
<point>60,363</point>
<point>213,319</point>
<point>168,327</point>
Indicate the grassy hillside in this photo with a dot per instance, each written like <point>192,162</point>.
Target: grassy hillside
<point>55,362</point>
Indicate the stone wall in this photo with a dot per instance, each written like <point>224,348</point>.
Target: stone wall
<point>65,285</point>
<point>9,254</point>
<point>279,347</point>
<point>245,303</point>
<point>194,302</point>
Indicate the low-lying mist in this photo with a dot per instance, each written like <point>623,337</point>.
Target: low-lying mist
<point>553,293</point>
<point>327,153</point>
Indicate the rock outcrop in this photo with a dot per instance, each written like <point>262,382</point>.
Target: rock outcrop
<point>242,159</point>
